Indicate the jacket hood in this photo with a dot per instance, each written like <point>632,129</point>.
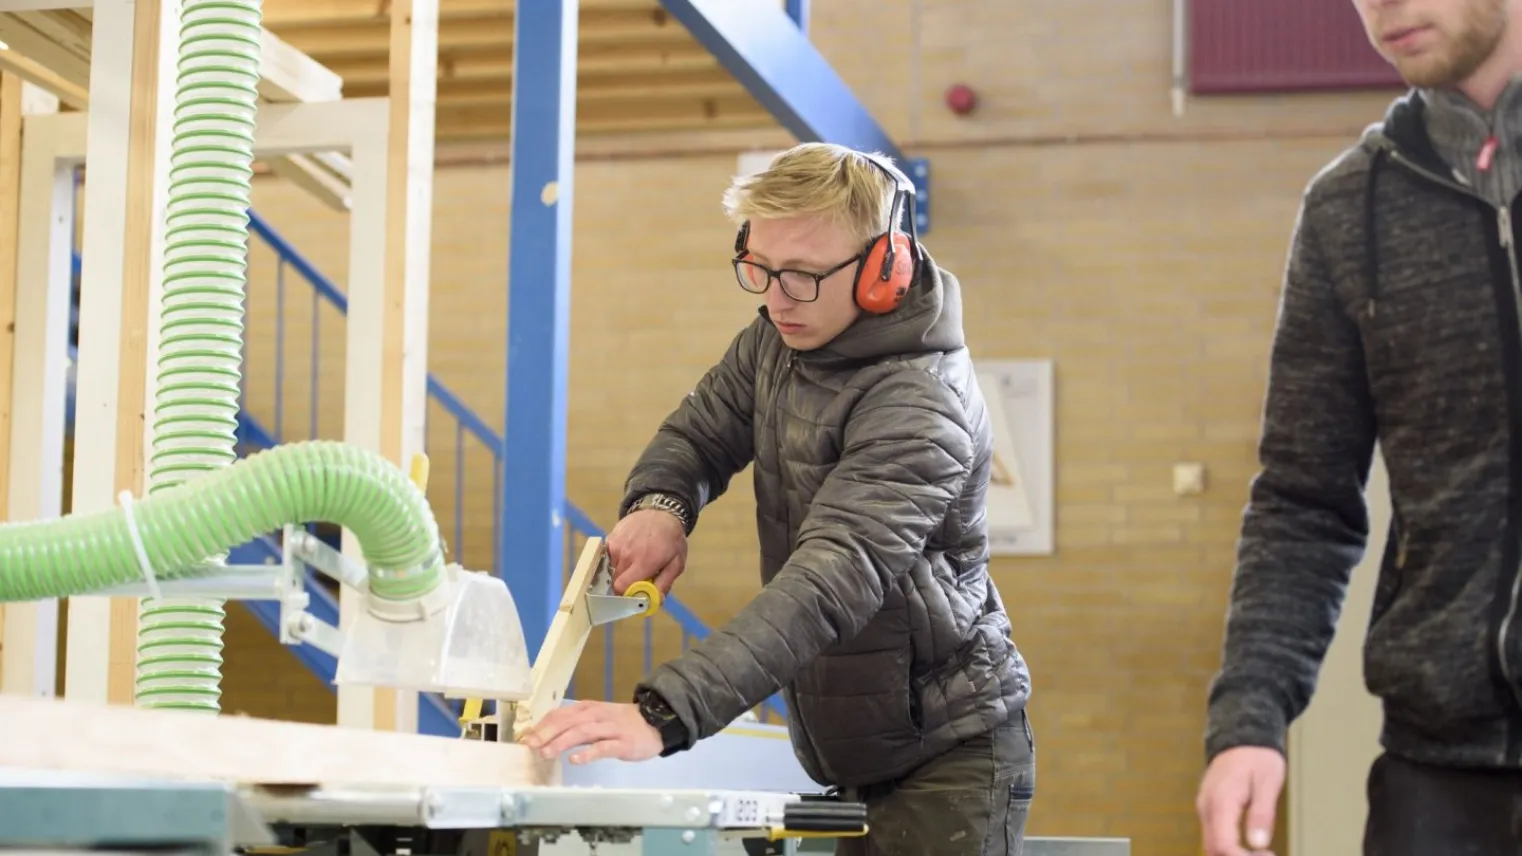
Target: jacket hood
<point>1402,133</point>
<point>1403,130</point>
<point>928,321</point>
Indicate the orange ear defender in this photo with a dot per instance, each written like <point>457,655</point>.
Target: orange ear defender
<point>891,262</point>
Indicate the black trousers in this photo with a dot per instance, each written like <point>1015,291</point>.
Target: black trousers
<point>972,801</point>
<point>1419,810</point>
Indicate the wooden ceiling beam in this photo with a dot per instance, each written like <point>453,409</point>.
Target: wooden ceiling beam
<point>739,106</point>
<point>499,72</point>
<point>27,34</point>
<point>290,15</point>
<point>52,50</point>
<point>323,12</point>
<point>44,78</point>
<point>327,44</point>
<point>480,129</point>
<point>365,74</point>
<point>499,95</point>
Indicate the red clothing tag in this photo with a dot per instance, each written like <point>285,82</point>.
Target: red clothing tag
<point>1487,154</point>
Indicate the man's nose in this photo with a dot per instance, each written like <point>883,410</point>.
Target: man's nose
<point>777,299</point>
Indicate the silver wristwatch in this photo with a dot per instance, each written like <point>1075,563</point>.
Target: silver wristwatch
<point>667,503</point>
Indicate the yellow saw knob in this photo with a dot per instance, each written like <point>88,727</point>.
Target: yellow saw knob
<point>647,590</point>
<point>419,471</point>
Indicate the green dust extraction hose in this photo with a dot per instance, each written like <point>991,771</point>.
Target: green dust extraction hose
<point>179,653</point>
<point>315,480</point>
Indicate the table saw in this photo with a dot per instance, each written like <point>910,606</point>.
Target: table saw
<point>81,776</point>
<point>60,812</point>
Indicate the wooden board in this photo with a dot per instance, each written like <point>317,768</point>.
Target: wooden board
<point>94,738</point>
<point>386,378</point>
<point>10,230</point>
<point>569,630</point>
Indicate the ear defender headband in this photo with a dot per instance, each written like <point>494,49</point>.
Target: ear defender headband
<point>890,262</point>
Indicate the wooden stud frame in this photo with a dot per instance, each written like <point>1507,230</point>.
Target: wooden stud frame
<point>54,146</point>
<point>38,397</point>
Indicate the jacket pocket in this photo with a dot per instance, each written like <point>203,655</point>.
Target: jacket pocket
<point>858,696</point>
<point>859,713</point>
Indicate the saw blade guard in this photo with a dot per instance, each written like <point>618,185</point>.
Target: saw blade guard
<point>462,640</point>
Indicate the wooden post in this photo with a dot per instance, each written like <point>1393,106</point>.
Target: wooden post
<point>10,206</point>
<point>34,368</point>
<point>122,265</point>
<point>386,389</point>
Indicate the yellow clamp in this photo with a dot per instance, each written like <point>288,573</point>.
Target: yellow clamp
<point>648,589</point>
<point>470,713</point>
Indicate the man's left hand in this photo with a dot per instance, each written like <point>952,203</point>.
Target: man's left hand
<point>606,729</point>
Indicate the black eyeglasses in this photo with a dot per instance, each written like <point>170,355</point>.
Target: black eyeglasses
<point>800,285</point>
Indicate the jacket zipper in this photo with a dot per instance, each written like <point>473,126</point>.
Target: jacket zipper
<point>794,717</point>
<point>1508,243</point>
<point>1503,634</point>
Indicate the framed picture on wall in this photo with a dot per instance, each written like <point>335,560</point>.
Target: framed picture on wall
<point>1020,491</point>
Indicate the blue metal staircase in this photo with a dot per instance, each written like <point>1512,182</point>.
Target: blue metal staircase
<point>435,714</point>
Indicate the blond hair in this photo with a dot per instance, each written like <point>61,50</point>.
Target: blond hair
<point>816,178</point>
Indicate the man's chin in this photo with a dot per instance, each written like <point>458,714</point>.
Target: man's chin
<point>800,341</point>
<point>1428,70</point>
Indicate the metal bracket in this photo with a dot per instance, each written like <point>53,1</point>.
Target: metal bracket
<point>302,549</point>
<point>284,583</point>
<point>303,546</point>
<point>605,607</point>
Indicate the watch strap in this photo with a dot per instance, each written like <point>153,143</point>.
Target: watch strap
<point>663,719</point>
<point>669,504</point>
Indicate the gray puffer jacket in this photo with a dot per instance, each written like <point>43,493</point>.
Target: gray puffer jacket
<point>877,618</point>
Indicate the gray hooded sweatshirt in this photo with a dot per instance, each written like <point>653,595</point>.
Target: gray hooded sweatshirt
<point>1401,324</point>
<point>877,618</point>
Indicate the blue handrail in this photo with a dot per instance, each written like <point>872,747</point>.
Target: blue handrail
<point>466,422</point>
<point>436,715</point>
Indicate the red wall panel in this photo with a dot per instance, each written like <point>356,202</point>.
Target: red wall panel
<point>1281,45</point>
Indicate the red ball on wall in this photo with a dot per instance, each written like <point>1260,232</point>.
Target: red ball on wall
<point>961,99</point>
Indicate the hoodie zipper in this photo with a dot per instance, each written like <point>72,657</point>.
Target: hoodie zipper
<point>1509,244</point>
<point>1503,634</point>
<point>794,717</point>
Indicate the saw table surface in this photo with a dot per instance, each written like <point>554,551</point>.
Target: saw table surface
<point>64,810</point>
<point>75,810</point>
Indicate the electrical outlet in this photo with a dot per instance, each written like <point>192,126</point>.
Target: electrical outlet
<point>1189,479</point>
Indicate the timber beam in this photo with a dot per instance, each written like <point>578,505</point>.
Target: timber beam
<point>51,49</point>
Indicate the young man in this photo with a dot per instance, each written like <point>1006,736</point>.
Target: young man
<point>1401,323</point>
<point>854,396</point>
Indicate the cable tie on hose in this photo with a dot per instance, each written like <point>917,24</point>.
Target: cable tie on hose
<point>137,545</point>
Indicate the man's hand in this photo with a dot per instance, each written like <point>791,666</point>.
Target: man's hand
<point>608,730</point>
<point>649,544</point>
<point>1247,778</point>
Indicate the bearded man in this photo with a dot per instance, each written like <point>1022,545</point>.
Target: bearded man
<point>1400,325</point>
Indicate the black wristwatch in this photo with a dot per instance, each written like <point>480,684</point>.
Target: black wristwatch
<point>663,719</point>
<point>667,503</point>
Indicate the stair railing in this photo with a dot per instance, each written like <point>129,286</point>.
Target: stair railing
<point>469,431</point>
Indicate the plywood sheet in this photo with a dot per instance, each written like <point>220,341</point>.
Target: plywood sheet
<point>83,737</point>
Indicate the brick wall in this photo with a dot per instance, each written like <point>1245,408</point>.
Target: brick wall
<point>1139,251</point>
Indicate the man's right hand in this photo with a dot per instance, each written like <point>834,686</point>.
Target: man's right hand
<point>649,544</point>
<point>1245,779</point>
